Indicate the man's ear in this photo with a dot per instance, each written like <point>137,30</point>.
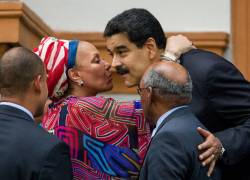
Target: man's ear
<point>151,46</point>
<point>149,95</point>
<point>37,83</point>
<point>74,75</point>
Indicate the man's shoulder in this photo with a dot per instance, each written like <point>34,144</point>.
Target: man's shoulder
<point>198,53</point>
<point>203,60</point>
<point>183,128</point>
<point>44,148</point>
<point>176,136</point>
<point>203,64</point>
<point>182,120</point>
<point>25,141</point>
<point>39,134</point>
<point>36,140</point>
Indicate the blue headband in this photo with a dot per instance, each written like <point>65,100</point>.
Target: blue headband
<point>72,53</point>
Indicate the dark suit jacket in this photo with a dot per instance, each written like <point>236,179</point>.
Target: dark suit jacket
<point>173,152</point>
<point>221,101</point>
<point>28,152</point>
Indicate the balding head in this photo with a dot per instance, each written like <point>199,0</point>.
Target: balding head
<point>169,79</point>
<point>18,68</point>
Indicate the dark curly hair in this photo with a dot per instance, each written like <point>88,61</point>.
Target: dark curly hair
<point>138,25</point>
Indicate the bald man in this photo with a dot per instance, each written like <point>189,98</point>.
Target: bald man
<point>27,151</point>
<point>166,91</point>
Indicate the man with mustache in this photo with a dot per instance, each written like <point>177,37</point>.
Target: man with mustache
<point>221,98</point>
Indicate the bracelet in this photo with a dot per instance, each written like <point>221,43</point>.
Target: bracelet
<point>170,57</point>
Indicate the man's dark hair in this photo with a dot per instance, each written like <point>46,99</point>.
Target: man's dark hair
<point>138,25</point>
<point>18,68</point>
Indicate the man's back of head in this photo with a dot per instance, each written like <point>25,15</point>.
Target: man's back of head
<point>138,25</point>
<point>23,80</point>
<point>170,83</point>
<point>18,68</point>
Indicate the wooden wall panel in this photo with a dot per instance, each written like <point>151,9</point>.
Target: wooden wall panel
<point>241,35</point>
<point>20,25</point>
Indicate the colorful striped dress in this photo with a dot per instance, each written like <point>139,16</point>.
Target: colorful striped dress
<point>108,139</point>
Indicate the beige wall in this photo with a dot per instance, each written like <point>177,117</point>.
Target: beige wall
<point>174,15</point>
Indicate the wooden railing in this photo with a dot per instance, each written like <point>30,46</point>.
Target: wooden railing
<point>20,26</point>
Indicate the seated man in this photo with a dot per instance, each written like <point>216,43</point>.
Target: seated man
<point>166,90</point>
<point>27,151</point>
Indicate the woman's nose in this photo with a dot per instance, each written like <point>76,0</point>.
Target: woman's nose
<point>107,65</point>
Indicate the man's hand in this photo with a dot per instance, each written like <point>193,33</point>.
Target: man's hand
<point>210,148</point>
<point>179,44</point>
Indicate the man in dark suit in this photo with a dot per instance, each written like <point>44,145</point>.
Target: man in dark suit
<point>222,102</point>
<point>27,151</point>
<point>221,95</point>
<point>166,90</point>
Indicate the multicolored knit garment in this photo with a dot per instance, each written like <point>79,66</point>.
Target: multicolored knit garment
<point>107,139</point>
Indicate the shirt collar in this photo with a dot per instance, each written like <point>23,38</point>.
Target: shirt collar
<point>164,116</point>
<point>18,107</point>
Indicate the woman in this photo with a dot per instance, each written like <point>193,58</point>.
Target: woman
<point>107,139</point>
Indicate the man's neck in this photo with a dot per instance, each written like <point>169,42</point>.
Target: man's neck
<point>158,56</point>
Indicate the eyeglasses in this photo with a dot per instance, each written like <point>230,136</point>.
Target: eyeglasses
<point>139,90</point>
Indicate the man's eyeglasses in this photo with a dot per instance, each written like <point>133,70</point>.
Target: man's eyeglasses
<point>139,90</point>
